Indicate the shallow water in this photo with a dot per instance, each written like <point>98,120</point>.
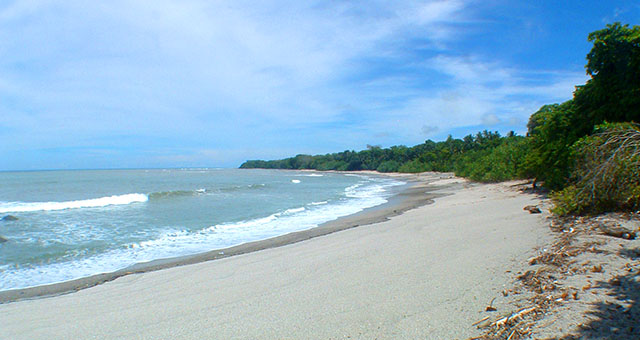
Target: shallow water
<point>73,224</point>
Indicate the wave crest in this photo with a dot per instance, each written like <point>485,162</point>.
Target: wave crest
<point>88,203</point>
<point>175,193</point>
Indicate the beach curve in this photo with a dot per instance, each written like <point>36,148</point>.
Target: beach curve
<point>428,272</point>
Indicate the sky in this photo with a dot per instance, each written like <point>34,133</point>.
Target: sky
<point>204,83</point>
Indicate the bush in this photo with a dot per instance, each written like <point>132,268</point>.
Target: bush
<point>414,166</point>
<point>501,163</point>
<point>551,132</point>
<point>605,177</point>
<point>389,166</point>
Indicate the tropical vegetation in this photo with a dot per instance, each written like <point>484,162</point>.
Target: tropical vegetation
<point>586,150</point>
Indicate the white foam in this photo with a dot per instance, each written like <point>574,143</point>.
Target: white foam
<point>245,224</point>
<point>177,242</point>
<point>295,181</point>
<point>354,175</point>
<point>352,190</point>
<point>89,203</point>
<point>293,211</point>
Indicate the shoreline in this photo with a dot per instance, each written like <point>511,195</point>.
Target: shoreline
<point>426,273</point>
<point>414,194</point>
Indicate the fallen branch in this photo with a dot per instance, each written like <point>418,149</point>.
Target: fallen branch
<point>504,321</point>
<point>490,308</point>
<point>480,321</point>
<point>532,209</point>
<point>616,231</point>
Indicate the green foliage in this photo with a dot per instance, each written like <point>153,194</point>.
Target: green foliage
<point>569,200</point>
<point>389,166</point>
<point>504,162</point>
<point>589,170</point>
<point>551,133</point>
<point>413,166</point>
<point>485,156</point>
<point>605,177</point>
<point>613,92</point>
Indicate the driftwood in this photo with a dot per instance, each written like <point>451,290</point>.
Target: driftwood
<point>515,316</point>
<point>616,231</point>
<point>554,261</point>
<point>532,209</point>
<point>490,308</point>
<point>480,321</point>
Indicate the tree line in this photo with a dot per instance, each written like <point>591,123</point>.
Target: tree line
<point>466,157</point>
<point>586,150</point>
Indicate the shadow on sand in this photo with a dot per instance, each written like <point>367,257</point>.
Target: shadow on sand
<point>619,317</point>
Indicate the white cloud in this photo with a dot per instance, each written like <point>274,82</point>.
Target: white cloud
<point>428,130</point>
<point>490,119</point>
<point>209,75</point>
<point>274,60</point>
<point>476,93</point>
<point>438,11</point>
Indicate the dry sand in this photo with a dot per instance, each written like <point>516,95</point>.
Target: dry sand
<point>587,282</point>
<point>428,273</point>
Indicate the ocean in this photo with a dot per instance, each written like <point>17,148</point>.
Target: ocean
<point>73,224</point>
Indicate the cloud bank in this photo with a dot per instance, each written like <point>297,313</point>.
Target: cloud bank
<point>211,83</point>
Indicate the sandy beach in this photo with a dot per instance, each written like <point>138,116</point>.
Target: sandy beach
<point>428,272</point>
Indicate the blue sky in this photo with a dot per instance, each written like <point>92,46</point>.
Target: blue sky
<point>136,84</point>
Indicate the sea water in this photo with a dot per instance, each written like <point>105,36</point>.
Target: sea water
<point>72,224</point>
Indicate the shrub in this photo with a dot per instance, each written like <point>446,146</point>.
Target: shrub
<point>414,166</point>
<point>606,174</point>
<point>389,166</point>
<point>500,163</point>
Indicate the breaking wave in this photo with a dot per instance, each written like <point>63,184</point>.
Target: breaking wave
<point>6,207</point>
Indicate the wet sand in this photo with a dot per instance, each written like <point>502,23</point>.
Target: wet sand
<point>414,194</point>
<point>408,271</point>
